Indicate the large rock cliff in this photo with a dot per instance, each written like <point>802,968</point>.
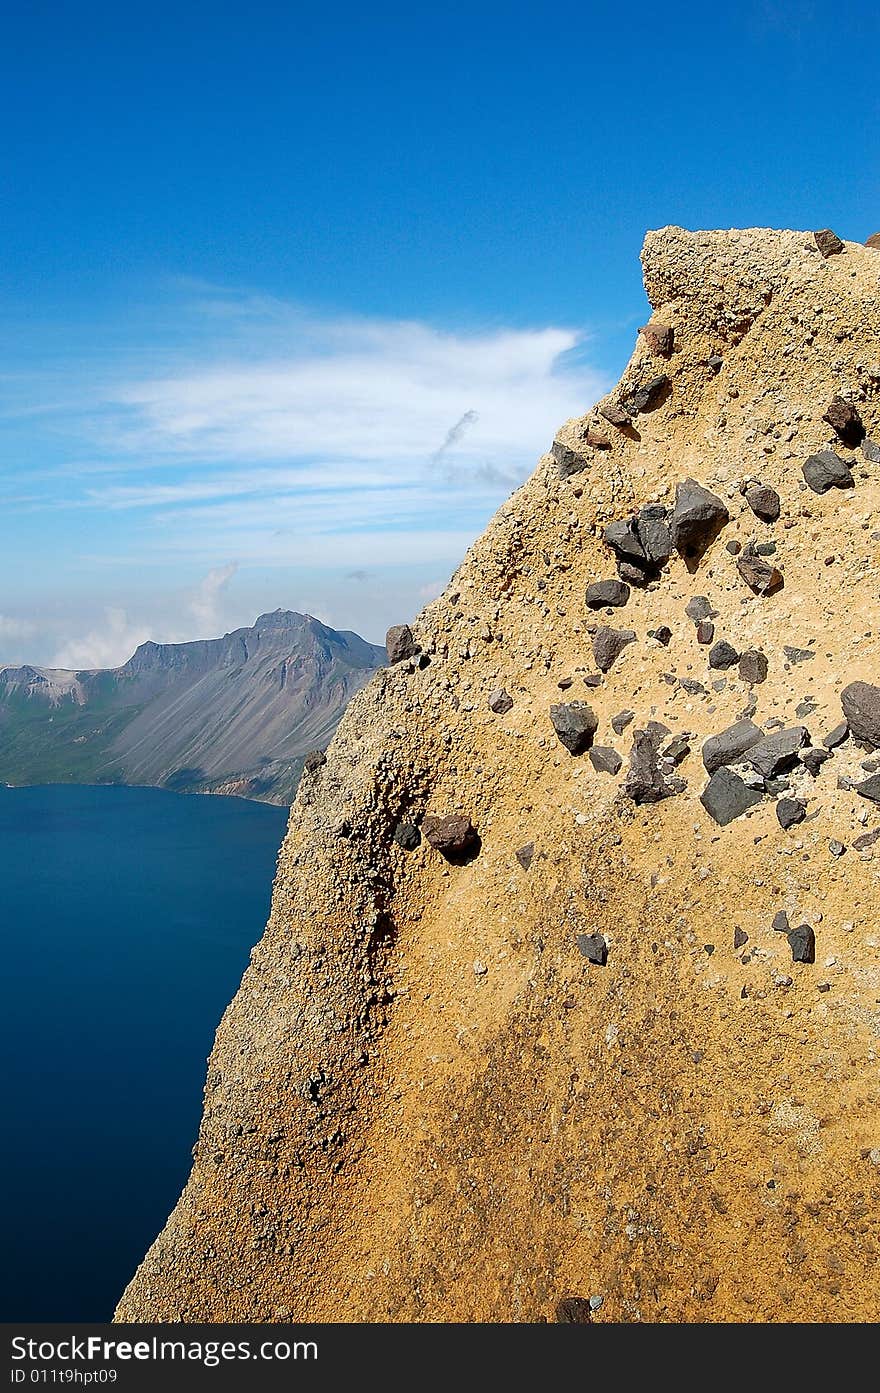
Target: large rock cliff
<point>584,1051</point>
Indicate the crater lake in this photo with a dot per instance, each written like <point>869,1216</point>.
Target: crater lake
<point>128,915</point>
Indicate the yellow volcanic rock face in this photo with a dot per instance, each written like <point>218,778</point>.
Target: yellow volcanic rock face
<point>425,1103</point>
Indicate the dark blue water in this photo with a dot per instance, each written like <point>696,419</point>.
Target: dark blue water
<point>127,916</point>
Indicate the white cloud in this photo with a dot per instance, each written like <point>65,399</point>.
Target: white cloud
<point>369,392</point>
<point>114,641</point>
<point>106,646</point>
<point>15,628</point>
<point>204,606</point>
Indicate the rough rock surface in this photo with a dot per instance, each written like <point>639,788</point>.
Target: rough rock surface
<point>860,702</point>
<point>388,1136</point>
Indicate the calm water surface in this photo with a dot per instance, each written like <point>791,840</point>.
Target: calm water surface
<point>127,916</point>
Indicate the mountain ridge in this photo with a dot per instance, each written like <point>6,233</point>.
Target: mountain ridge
<point>235,714</point>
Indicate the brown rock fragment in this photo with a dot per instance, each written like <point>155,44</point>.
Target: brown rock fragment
<point>757,572</point>
<point>615,415</point>
<point>660,338</point>
<point>843,418</point>
<point>453,835</point>
<point>828,242</point>
<point>400,643</point>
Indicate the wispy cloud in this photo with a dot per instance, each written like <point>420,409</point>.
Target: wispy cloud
<point>15,628</point>
<point>106,645</point>
<point>114,640</point>
<point>362,392</point>
<point>302,445</point>
<point>205,603</point>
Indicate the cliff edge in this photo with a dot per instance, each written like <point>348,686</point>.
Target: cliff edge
<point>571,983</point>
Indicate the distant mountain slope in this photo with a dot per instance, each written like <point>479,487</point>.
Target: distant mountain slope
<point>235,714</point>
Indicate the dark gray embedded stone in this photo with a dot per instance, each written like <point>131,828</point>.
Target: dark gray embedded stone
<point>662,635</point>
<point>575,723</point>
<point>828,242</point>
<point>568,461</point>
<point>692,686</point>
<point>861,707</point>
<point>645,781</point>
<point>777,788</point>
<point>870,788</point>
<point>733,546</point>
<point>647,397</point>
<point>656,731</point>
<point>722,655</point>
<point>798,655</point>
<point>620,722</point>
<point>697,518</point>
<point>623,539</point>
<point>764,502</point>
<point>407,836</point>
<point>500,701</point>
<point>678,749</point>
<point>730,745</point>
<point>802,942</point>
<point>698,608</point>
<point>813,758</point>
<point>836,848</point>
<point>866,839</point>
<point>593,679</point>
<point>757,573</point>
<point>780,922</point>
<point>726,797</point>
<point>314,760</point>
<point>605,760</point>
<point>705,631</point>
<point>607,592</point>
<point>615,415</point>
<point>766,548</point>
<point>845,421</point>
<point>871,451</point>
<point>740,938</point>
<point>778,752</point>
<point>805,708</point>
<point>453,836</point>
<point>827,470</point>
<point>715,362</point>
<point>594,948</point>
<point>652,526</point>
<point>526,855</point>
<point>659,338</point>
<point>836,736</point>
<point>608,644</point>
<point>790,811</point>
<point>753,666</point>
<point>400,643</point>
<point>573,1310</point>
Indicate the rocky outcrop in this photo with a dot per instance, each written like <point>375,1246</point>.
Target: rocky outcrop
<point>583,1074</point>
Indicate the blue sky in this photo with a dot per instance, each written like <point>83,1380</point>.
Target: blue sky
<point>293,296</point>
